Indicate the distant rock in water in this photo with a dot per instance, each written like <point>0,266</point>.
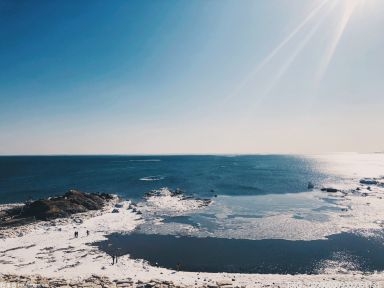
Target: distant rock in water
<point>368,181</point>
<point>332,190</point>
<point>56,207</point>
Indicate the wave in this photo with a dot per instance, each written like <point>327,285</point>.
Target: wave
<point>152,178</point>
<point>145,160</point>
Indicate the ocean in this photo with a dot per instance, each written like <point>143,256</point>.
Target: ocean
<point>25,177</point>
<point>263,217</point>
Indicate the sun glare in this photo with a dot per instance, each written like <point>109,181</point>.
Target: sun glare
<point>349,7</point>
<point>318,15</point>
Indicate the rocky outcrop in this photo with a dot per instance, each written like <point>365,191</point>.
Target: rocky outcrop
<point>329,189</point>
<point>177,193</point>
<point>369,181</point>
<point>70,203</point>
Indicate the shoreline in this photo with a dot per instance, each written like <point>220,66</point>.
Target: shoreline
<point>170,278</point>
<point>46,252</point>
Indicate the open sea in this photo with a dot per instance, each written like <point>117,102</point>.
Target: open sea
<point>263,218</point>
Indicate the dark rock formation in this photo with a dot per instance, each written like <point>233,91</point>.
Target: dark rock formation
<point>63,206</point>
<point>332,190</point>
<point>369,181</point>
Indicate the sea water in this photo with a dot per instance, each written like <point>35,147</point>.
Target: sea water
<point>263,217</point>
<point>25,177</point>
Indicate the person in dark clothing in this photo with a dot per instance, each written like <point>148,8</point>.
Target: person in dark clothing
<point>113,259</point>
<point>87,232</point>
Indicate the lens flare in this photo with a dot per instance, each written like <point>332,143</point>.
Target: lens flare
<point>277,49</point>
<point>349,7</point>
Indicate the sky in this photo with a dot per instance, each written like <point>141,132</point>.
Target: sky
<point>191,77</point>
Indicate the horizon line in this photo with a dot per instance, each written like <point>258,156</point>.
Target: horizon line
<point>187,154</point>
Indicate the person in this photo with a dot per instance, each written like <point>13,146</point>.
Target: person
<point>87,232</point>
<point>113,259</point>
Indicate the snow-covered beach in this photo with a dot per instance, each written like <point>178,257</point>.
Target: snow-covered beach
<point>49,250</point>
<point>203,143</point>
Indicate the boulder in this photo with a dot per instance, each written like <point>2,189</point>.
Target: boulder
<point>368,181</point>
<point>333,190</point>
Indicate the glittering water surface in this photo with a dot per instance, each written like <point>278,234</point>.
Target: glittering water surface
<point>345,251</point>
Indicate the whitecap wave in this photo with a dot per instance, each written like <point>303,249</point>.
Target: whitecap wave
<point>152,178</point>
<point>144,160</point>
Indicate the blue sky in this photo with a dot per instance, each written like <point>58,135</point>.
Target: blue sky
<point>127,77</point>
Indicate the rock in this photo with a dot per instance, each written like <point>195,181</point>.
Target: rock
<point>115,210</point>
<point>146,285</point>
<point>70,203</point>
<point>124,283</point>
<point>333,190</point>
<point>368,181</point>
<point>223,283</point>
<point>78,221</point>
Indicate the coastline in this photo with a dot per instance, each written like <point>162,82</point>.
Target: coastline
<point>47,253</point>
<point>194,279</point>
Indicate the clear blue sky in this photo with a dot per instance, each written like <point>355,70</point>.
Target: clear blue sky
<point>125,77</point>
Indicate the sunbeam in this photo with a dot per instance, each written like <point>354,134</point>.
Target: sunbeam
<point>349,6</point>
<point>283,69</point>
<point>282,44</point>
